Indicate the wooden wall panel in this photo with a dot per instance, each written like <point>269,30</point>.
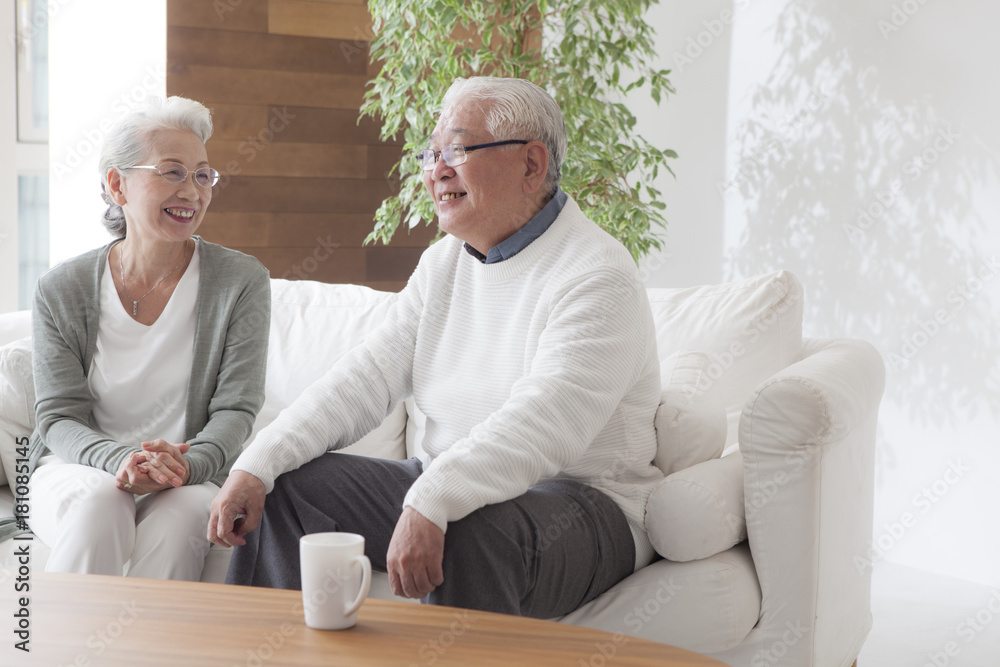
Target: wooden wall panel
<point>296,160</point>
<point>301,177</point>
<point>239,15</point>
<point>343,20</point>
<point>255,86</point>
<point>263,51</point>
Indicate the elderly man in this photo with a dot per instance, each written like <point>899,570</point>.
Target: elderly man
<point>526,338</point>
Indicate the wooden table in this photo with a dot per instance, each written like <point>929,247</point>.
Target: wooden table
<point>97,620</point>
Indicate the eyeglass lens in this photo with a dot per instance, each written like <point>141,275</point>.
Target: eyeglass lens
<point>452,154</point>
<point>178,173</point>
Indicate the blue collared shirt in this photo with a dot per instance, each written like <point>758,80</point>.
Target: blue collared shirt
<point>520,239</point>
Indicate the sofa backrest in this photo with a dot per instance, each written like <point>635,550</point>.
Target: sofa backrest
<point>312,325</point>
<point>14,326</point>
<point>749,328</point>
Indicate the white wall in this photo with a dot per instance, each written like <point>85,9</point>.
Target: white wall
<point>105,56</point>
<point>8,167</point>
<point>694,43</point>
<point>860,151</point>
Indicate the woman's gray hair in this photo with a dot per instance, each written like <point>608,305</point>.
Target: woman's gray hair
<point>519,110</point>
<point>128,142</point>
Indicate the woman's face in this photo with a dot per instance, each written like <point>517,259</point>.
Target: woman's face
<point>156,209</point>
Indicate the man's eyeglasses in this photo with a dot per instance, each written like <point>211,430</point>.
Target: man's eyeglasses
<point>456,154</point>
<point>175,172</point>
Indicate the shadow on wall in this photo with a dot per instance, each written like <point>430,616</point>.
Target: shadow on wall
<point>860,165</point>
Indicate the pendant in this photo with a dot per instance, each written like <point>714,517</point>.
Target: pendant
<point>135,308</point>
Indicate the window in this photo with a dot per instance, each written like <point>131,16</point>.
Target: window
<point>32,71</point>
<point>32,234</point>
<point>31,148</point>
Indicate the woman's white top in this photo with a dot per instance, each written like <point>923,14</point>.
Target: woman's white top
<point>139,374</point>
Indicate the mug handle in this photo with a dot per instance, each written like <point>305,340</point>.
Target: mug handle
<point>366,583</point>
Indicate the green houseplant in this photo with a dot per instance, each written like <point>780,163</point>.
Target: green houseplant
<point>587,54</point>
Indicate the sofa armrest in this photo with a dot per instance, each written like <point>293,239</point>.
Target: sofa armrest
<point>808,440</point>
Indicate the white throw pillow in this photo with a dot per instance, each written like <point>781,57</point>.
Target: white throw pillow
<point>690,421</point>
<point>698,512</point>
<point>750,329</point>
<point>17,404</point>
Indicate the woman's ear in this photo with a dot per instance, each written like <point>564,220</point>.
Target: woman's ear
<point>116,186</point>
<point>536,166</point>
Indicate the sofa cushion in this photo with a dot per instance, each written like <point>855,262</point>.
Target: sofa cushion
<point>17,403</point>
<point>698,512</point>
<point>707,605</point>
<point>749,328</point>
<point>690,423</point>
<point>312,326</point>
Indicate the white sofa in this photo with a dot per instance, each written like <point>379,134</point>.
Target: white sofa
<point>767,441</point>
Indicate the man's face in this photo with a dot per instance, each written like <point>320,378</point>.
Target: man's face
<point>480,201</point>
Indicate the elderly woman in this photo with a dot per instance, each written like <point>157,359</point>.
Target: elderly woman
<point>149,357</point>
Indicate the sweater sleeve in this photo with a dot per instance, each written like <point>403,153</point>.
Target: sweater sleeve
<point>63,401</point>
<point>348,401</point>
<point>239,386</point>
<point>593,349</point>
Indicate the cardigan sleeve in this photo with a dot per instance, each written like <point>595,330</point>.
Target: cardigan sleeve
<point>63,401</point>
<point>239,384</point>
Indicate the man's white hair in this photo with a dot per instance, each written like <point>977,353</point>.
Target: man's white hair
<point>518,109</point>
<point>128,142</point>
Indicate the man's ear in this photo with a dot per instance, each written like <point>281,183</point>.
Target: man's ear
<point>536,166</point>
<point>116,187</point>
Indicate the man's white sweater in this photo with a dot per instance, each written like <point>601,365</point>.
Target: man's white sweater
<point>543,365</point>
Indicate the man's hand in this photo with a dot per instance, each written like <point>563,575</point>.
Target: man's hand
<point>241,494</point>
<point>415,554</point>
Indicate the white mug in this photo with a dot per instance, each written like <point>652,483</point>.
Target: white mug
<point>336,576</point>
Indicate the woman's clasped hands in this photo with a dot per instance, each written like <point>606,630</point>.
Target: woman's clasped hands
<point>160,465</point>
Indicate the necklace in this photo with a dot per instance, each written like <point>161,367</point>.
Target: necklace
<point>135,302</point>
